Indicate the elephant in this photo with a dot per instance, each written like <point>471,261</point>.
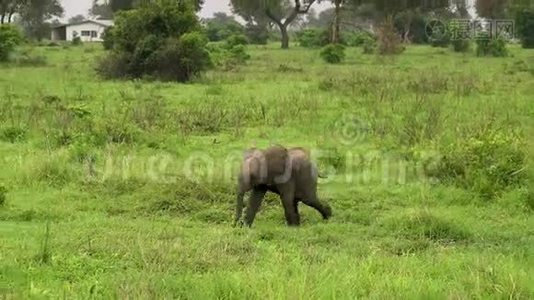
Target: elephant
<point>290,173</point>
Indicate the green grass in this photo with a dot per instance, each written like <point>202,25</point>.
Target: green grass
<point>113,189</point>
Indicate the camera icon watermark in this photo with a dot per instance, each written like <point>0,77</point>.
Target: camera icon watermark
<point>350,129</point>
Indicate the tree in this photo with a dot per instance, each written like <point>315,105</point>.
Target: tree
<point>117,5</point>
<point>77,19</point>
<point>280,12</point>
<point>221,26</point>
<point>8,8</point>
<point>35,13</point>
<point>101,10</point>
<point>492,9</point>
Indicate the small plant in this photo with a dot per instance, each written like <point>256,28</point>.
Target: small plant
<point>333,53</point>
<point>492,47</point>
<point>13,134</point>
<point>44,254</point>
<point>369,46</point>
<point>3,195</point>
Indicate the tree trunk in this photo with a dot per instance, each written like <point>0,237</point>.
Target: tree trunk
<point>2,19</point>
<point>10,18</point>
<point>336,25</point>
<point>285,37</point>
<point>289,19</point>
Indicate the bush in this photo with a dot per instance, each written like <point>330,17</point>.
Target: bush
<point>77,41</point>
<point>492,47</point>
<point>458,44</point>
<point>257,34</point>
<point>236,40</point>
<point>440,40</point>
<point>525,27</point>
<point>417,30</point>
<point>333,53</point>
<point>312,38</point>
<point>10,37</point>
<point>357,38</point>
<point>369,46</point>
<point>461,45</point>
<point>389,41</point>
<point>227,57</point>
<point>239,54</point>
<point>487,164</point>
<point>160,40</point>
<point>107,36</point>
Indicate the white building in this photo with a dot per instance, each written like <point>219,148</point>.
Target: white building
<point>88,30</point>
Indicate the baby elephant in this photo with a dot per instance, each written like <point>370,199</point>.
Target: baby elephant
<point>287,172</point>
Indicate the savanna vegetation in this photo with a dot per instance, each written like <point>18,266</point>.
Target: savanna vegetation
<point>122,185</point>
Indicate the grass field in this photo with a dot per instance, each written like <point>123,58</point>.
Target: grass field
<point>114,189</point>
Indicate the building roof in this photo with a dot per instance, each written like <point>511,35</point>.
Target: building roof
<point>105,23</point>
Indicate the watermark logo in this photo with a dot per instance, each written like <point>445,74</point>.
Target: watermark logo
<point>435,30</point>
<point>350,129</point>
<point>467,29</point>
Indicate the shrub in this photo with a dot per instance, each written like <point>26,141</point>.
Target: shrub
<point>487,164</point>
<point>525,27</point>
<point>257,34</point>
<point>235,40</point>
<point>10,37</point>
<point>357,38</point>
<point>333,53</point>
<point>369,46</point>
<point>29,59</point>
<point>461,45</point>
<point>389,41</point>
<point>458,44</point>
<point>440,40</point>
<point>311,38</point>
<point>161,40</point>
<point>238,54</point>
<point>107,36</point>
<point>492,47</point>
<point>77,41</point>
<point>228,57</point>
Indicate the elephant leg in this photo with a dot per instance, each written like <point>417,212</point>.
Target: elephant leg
<point>254,204</point>
<point>322,208</point>
<point>287,195</point>
<point>239,208</point>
